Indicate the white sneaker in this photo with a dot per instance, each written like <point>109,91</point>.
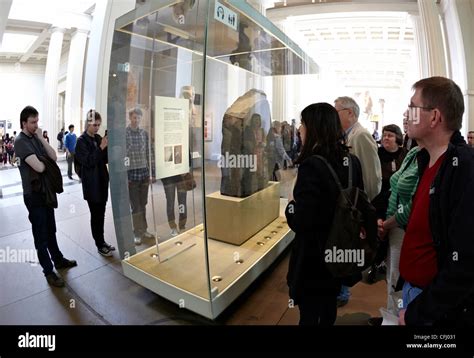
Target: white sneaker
<point>174,232</point>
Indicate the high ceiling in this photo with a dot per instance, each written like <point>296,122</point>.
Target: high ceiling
<point>282,3</point>
<point>26,33</point>
<point>371,49</point>
<point>37,52</point>
<point>361,43</point>
<point>359,49</point>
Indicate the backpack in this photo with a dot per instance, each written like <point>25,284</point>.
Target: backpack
<point>352,242</point>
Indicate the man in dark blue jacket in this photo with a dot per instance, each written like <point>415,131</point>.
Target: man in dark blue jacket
<point>91,153</point>
<point>437,254</point>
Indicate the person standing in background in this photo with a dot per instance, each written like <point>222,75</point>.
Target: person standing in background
<point>280,154</point>
<point>60,138</point>
<point>45,136</point>
<point>10,149</point>
<point>70,145</point>
<point>2,149</point>
<point>470,139</point>
<point>294,139</point>
<point>286,139</point>
<point>408,143</point>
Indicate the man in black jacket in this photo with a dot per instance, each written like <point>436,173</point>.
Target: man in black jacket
<point>30,146</point>
<point>91,153</point>
<point>437,254</point>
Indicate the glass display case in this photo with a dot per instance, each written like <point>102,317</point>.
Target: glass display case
<point>194,144</point>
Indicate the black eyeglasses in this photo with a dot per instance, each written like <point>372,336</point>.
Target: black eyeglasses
<point>414,112</point>
<point>410,106</point>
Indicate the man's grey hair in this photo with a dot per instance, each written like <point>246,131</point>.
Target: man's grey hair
<point>349,103</point>
<point>136,111</point>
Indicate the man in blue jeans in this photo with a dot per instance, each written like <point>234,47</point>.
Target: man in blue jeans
<point>30,145</point>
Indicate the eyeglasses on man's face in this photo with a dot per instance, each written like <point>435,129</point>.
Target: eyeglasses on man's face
<point>343,109</point>
<point>415,111</point>
<point>411,106</point>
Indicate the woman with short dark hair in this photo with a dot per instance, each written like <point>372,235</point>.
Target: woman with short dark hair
<point>391,155</point>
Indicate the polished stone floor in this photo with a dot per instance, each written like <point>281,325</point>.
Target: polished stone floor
<point>97,293</point>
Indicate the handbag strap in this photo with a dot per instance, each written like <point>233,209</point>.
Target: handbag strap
<point>333,172</point>
<point>338,182</point>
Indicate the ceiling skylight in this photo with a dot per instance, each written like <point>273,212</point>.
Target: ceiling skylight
<point>46,11</point>
<point>16,43</point>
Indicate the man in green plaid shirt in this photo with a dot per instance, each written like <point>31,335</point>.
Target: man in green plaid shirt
<point>141,172</point>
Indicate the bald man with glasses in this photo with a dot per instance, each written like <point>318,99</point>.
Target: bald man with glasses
<point>470,139</point>
<point>363,145</point>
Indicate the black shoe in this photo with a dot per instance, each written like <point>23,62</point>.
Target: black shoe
<point>54,280</point>
<point>65,263</point>
<point>375,321</point>
<point>105,251</point>
<point>108,246</point>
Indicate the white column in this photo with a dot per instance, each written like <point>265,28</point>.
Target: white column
<point>98,54</point>
<point>431,27</point>
<point>279,99</point>
<point>465,13</point>
<point>50,117</point>
<point>457,58</point>
<point>421,48</point>
<point>75,69</point>
<point>5,6</point>
<point>281,92</point>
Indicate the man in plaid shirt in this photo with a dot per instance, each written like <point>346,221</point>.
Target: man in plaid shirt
<point>139,173</point>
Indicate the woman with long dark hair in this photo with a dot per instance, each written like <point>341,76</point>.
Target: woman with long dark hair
<point>310,213</point>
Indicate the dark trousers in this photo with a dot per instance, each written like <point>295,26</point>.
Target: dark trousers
<point>318,310</point>
<point>138,192</point>
<point>44,233</point>
<point>170,191</point>
<point>70,160</point>
<point>97,222</point>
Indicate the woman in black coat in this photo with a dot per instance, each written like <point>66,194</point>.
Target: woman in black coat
<point>310,213</point>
